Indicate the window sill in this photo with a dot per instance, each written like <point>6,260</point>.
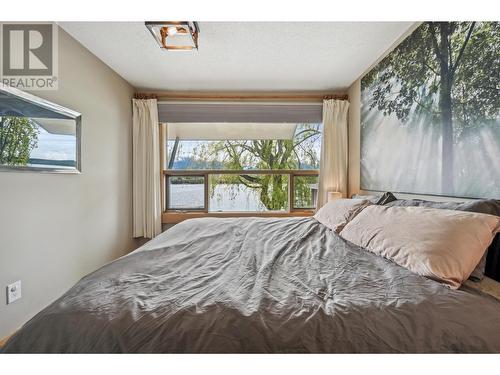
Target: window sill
<point>174,217</point>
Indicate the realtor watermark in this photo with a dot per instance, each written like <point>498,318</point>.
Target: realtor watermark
<point>29,55</point>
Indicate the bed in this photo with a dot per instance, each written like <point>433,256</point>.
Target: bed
<point>260,285</point>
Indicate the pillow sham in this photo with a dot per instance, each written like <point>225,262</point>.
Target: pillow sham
<point>443,245</point>
<point>385,198</point>
<point>337,213</point>
<point>484,206</point>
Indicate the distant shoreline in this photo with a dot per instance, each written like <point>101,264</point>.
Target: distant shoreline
<point>50,163</point>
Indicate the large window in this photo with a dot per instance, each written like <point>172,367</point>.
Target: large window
<point>242,167</point>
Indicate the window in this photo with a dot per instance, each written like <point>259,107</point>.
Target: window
<point>38,144</point>
<point>186,192</point>
<point>241,167</point>
<point>36,135</point>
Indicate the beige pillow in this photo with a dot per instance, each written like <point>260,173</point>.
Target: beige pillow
<point>337,213</point>
<point>443,245</point>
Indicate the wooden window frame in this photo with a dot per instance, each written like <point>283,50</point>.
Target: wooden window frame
<point>176,216</point>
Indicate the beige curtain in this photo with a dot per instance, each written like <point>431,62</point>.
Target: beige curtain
<point>146,168</point>
<point>333,165</point>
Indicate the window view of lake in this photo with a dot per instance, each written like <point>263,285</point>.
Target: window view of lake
<point>299,150</point>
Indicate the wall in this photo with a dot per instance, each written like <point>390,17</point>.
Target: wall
<point>54,229</point>
<point>354,187</point>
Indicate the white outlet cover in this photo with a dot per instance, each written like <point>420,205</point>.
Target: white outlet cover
<point>13,291</point>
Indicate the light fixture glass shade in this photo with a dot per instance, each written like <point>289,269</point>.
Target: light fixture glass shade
<point>175,35</point>
<point>171,30</point>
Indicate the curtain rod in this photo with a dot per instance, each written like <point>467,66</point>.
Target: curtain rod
<point>182,96</point>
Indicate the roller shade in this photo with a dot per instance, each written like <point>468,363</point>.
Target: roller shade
<point>240,112</point>
<point>214,131</point>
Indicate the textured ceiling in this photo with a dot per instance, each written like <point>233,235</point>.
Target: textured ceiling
<point>243,56</point>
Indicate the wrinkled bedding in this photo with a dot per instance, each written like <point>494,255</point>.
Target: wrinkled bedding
<point>251,285</point>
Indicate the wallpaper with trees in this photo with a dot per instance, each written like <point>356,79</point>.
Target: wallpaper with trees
<point>430,113</point>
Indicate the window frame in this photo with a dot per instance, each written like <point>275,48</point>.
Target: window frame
<point>172,216</point>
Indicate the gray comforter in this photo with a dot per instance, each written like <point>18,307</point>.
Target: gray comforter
<point>259,285</point>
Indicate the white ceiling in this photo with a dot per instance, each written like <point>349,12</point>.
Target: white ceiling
<point>243,56</point>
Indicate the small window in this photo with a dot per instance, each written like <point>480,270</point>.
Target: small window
<point>305,191</point>
<point>37,143</point>
<point>36,135</point>
<point>186,193</point>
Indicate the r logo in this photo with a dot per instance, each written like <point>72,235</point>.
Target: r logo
<point>27,50</point>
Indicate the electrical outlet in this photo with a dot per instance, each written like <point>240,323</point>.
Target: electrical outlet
<point>13,291</point>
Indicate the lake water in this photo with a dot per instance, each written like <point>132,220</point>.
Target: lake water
<point>225,197</point>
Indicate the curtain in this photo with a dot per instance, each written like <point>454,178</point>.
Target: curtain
<point>333,164</point>
<point>146,168</point>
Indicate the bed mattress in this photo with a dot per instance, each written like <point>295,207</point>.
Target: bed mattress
<point>259,285</point>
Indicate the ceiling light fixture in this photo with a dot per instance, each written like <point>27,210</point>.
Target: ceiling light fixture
<point>171,30</point>
<point>175,35</point>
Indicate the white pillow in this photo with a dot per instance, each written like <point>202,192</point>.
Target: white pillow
<point>443,245</point>
<point>337,213</point>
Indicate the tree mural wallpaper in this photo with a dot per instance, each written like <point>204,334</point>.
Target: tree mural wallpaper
<point>430,113</point>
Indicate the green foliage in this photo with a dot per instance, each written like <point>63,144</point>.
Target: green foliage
<point>476,89</point>
<point>446,73</point>
<point>409,79</point>
<point>18,137</point>
<point>265,154</point>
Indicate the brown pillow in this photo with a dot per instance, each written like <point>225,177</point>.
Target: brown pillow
<point>336,214</point>
<point>443,245</point>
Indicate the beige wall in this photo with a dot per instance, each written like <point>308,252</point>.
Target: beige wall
<point>54,229</point>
